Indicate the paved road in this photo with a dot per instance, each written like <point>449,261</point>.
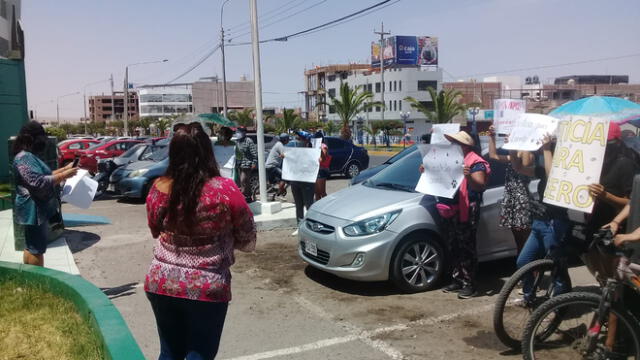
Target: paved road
<point>284,309</point>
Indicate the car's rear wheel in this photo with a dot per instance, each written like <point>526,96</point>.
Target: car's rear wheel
<point>418,264</point>
<point>352,169</point>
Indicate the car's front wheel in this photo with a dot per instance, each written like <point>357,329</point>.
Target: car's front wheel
<point>418,264</point>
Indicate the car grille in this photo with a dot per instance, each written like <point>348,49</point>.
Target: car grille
<point>322,258</point>
<point>319,227</point>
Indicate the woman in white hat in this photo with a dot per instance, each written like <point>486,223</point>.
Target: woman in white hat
<point>460,217</point>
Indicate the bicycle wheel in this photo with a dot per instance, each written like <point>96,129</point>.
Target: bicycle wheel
<point>510,313</point>
<point>576,317</point>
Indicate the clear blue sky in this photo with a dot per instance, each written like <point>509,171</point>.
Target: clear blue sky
<point>71,43</point>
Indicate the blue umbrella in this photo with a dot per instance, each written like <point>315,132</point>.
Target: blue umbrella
<point>615,109</point>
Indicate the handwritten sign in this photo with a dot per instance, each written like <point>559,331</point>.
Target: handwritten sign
<point>301,164</point>
<point>316,143</point>
<point>577,162</point>
<point>226,159</point>
<point>505,113</point>
<point>442,174</point>
<point>437,136</point>
<point>529,131</point>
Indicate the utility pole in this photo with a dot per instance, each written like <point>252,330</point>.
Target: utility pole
<point>382,34</point>
<point>257,83</point>
<point>224,70</point>
<point>126,101</point>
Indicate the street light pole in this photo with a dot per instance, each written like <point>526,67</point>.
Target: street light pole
<point>224,69</point>
<point>58,105</point>
<point>257,83</point>
<point>126,92</point>
<point>404,116</point>
<point>382,34</point>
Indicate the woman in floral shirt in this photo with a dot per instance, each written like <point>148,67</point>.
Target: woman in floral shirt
<point>199,219</point>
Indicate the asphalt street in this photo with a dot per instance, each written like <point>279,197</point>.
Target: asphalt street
<point>284,309</point>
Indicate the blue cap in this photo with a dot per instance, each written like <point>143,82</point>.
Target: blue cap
<point>303,134</point>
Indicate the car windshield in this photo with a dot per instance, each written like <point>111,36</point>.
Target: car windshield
<point>401,154</point>
<point>95,146</point>
<point>402,175</point>
<point>132,151</point>
<point>156,153</point>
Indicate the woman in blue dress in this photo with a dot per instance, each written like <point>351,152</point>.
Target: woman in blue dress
<point>35,188</point>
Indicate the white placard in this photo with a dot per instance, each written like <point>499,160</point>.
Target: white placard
<point>577,162</point>
<point>529,131</point>
<point>437,136</point>
<point>80,190</point>
<point>443,170</point>
<point>316,143</point>
<point>226,159</point>
<point>301,164</point>
<point>505,113</point>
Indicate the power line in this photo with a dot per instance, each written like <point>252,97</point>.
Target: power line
<point>262,17</point>
<point>318,27</point>
<point>208,55</point>
<point>552,66</point>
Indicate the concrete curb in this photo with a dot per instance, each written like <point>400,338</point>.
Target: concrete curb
<point>383,152</point>
<point>91,303</point>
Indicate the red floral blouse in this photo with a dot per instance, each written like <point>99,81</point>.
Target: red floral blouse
<point>197,266</point>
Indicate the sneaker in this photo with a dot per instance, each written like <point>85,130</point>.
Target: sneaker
<point>295,233</point>
<point>453,287</point>
<point>467,292</point>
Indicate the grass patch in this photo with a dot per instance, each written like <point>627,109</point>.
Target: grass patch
<point>35,324</point>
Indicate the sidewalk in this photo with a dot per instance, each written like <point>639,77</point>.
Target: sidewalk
<point>58,256</point>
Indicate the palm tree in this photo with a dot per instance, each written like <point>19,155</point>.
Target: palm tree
<point>352,101</point>
<point>372,130</point>
<point>331,127</point>
<point>242,118</point>
<point>445,105</point>
<point>162,124</point>
<point>289,120</point>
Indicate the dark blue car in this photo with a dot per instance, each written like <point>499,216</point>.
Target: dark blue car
<point>346,158</point>
<point>364,175</point>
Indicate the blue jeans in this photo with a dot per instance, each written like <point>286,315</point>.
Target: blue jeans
<point>546,238</point>
<point>188,329</point>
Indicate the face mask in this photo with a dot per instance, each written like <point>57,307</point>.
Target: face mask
<point>240,135</point>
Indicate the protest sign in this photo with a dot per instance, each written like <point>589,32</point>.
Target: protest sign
<point>316,143</point>
<point>437,136</point>
<point>226,159</point>
<point>529,131</point>
<point>301,164</point>
<point>443,170</point>
<point>79,190</point>
<point>505,113</point>
<point>577,162</point>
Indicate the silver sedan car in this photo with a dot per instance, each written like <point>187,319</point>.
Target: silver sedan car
<point>384,230</point>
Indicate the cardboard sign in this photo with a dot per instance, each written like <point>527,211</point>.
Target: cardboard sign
<point>437,136</point>
<point>80,190</point>
<point>529,132</point>
<point>505,114</point>
<point>301,164</point>
<point>577,162</point>
<point>226,159</point>
<point>443,170</point>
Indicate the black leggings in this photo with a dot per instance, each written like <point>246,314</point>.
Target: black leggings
<point>303,194</point>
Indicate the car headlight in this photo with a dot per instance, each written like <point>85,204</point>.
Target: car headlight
<point>371,225</point>
<point>138,172</point>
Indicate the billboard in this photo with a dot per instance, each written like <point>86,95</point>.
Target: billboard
<point>406,50</point>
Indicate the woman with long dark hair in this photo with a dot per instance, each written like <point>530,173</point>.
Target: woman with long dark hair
<point>36,185</point>
<point>199,219</point>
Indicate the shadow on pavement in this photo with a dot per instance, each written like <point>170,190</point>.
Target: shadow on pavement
<point>120,291</point>
<point>80,240</point>
<point>379,288</point>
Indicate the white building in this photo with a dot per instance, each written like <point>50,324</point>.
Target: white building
<point>165,100</point>
<point>10,30</point>
<point>322,83</point>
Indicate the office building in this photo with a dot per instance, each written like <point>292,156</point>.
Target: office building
<point>101,107</point>
<point>165,100</point>
<point>207,95</point>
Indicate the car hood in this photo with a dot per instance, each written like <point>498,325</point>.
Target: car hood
<point>360,202</point>
<point>144,164</point>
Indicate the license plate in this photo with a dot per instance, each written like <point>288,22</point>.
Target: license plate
<point>311,248</point>
<point>111,187</point>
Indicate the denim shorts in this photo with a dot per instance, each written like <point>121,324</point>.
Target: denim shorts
<point>35,237</point>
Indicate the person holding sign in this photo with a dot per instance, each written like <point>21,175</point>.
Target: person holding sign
<point>549,227</point>
<point>36,187</point>
<point>616,181</point>
<point>514,209</point>
<point>303,192</point>
<point>461,214</point>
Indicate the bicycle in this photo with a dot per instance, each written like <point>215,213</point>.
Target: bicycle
<point>588,325</point>
<point>511,311</point>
